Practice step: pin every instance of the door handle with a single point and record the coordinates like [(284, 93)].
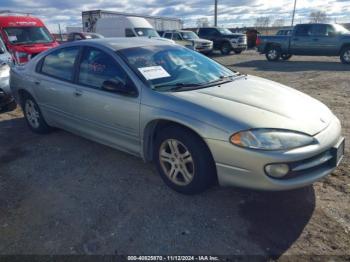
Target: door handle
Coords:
[(315, 39), (78, 93), (296, 39), (37, 83)]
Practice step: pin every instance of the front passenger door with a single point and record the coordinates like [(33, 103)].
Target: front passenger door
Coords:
[(110, 118)]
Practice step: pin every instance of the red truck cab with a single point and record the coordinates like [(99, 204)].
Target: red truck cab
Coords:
[(25, 36)]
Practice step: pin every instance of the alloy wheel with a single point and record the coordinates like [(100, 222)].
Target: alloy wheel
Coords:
[(177, 162), (32, 113)]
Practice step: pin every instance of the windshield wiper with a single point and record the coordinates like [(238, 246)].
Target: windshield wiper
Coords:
[(177, 86)]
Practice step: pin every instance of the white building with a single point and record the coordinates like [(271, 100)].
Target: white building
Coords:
[(90, 18)]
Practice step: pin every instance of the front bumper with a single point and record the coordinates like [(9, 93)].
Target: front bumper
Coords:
[(245, 168)]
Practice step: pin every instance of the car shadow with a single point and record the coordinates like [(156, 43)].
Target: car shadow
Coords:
[(277, 219), (86, 198), (293, 66)]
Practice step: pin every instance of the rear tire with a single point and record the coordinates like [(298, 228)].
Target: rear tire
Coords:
[(183, 161), (273, 53), (286, 57), (345, 56), (33, 115), (226, 49)]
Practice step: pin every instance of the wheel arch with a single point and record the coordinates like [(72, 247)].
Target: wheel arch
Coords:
[(154, 127), (347, 45), (22, 93), (269, 45)]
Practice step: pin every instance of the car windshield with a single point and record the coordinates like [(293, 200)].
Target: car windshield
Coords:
[(28, 35), (148, 32), (225, 31), (341, 29), (168, 68), (189, 35)]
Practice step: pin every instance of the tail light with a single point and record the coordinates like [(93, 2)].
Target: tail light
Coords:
[(258, 41)]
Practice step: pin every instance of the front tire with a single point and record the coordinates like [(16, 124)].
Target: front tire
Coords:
[(273, 54), (237, 52), (33, 116), (226, 49), (183, 161), (345, 56)]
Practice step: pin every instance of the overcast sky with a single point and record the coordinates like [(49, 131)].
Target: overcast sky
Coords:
[(231, 13)]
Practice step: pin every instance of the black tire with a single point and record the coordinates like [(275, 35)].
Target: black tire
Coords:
[(225, 48), (273, 53), (345, 55), (286, 57), (39, 125), (204, 170), (208, 53), (238, 51)]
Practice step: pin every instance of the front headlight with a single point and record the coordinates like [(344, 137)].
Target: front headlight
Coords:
[(4, 70), (271, 139)]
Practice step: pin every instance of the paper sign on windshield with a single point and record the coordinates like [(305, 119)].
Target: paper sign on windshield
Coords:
[(153, 72), (12, 38)]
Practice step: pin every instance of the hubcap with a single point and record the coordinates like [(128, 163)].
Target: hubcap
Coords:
[(272, 54), (347, 56), (32, 113), (176, 162)]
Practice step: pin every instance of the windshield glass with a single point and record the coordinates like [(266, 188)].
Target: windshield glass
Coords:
[(148, 32), (225, 31), (341, 29), (189, 35), (28, 35), (166, 67)]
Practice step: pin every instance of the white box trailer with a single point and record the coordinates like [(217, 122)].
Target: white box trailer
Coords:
[(90, 18)]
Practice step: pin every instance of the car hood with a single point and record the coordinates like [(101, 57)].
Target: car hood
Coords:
[(253, 102), (234, 36), (35, 48), (200, 41)]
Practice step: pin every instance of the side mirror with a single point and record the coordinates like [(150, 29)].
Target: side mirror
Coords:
[(118, 86), (332, 34)]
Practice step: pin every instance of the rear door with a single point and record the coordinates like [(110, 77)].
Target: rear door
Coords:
[(302, 42), (107, 117)]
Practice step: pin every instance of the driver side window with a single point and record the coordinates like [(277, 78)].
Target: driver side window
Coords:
[(97, 67)]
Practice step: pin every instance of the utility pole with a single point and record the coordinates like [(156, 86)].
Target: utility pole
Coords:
[(295, 5), (216, 13), (59, 29)]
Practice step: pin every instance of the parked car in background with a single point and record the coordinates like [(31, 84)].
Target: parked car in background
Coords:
[(308, 39), (76, 36), (284, 31), (224, 40), (5, 56), (124, 26), (198, 121), (190, 39), (25, 36), (7, 101)]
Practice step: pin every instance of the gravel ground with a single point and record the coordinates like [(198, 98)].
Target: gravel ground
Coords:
[(62, 194)]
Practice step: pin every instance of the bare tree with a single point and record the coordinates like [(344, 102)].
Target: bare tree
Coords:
[(202, 22), (279, 22), (262, 22), (318, 17)]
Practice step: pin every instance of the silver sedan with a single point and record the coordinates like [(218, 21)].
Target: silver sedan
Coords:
[(198, 121)]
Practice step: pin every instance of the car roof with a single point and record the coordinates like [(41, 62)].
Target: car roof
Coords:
[(119, 43)]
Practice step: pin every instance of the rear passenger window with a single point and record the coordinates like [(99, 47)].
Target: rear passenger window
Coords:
[(303, 30), (96, 67), (60, 63), (177, 37)]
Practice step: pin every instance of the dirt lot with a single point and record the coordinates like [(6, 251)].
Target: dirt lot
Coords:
[(62, 194)]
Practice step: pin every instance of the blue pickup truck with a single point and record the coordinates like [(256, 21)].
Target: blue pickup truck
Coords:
[(308, 39)]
